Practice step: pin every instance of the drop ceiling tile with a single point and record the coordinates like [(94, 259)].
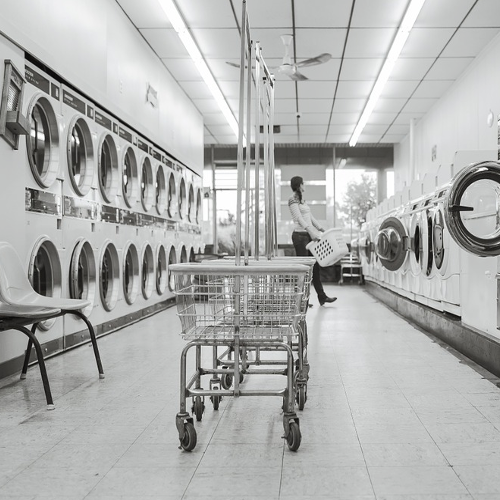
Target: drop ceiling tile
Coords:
[(419, 105), (223, 71), (230, 90), (145, 14), (313, 42), (432, 88), (448, 68), (315, 118), (284, 89), (218, 43), (413, 68), (361, 69), (348, 105), (353, 89), (405, 118), (485, 13), (392, 139), (315, 105), (219, 15), (379, 14), (368, 43), (319, 130), (207, 105), (318, 14), (222, 129), (182, 69), (285, 118), (326, 71), (165, 43), (396, 89), (316, 90), (338, 138), (266, 14), (389, 105), (341, 129), (399, 129), (374, 129), (468, 42), (284, 106), (214, 119), (383, 118), (443, 14), (426, 42)]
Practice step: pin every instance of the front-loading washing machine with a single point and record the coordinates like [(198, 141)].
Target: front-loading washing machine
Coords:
[(471, 208), (42, 252)]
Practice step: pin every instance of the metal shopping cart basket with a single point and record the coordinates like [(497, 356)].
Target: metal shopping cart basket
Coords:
[(257, 306), (253, 358)]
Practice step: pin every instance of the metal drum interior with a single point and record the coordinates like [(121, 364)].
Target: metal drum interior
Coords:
[(182, 199), (82, 274), (81, 165), (130, 180), (44, 272), (130, 273), (172, 259), (147, 185), (108, 168), (148, 265), (43, 142), (160, 190), (161, 270), (109, 276)]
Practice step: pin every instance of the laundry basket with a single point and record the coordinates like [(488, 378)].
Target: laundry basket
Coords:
[(330, 248)]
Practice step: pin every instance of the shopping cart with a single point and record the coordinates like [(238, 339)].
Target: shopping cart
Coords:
[(301, 373), (239, 307)]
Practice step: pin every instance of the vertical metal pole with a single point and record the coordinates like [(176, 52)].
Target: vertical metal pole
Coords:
[(257, 117), (271, 159), (241, 122), (248, 151), (214, 204)]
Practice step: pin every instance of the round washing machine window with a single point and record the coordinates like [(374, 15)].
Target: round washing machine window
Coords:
[(108, 168), (130, 184), (190, 207), (161, 270), (390, 244), (416, 244), (184, 257), (109, 276), (192, 256), (440, 242), (147, 190), (198, 206), (80, 156), (160, 190), (428, 235), (130, 273), (472, 205), (172, 259), (182, 198), (43, 142), (147, 271), (44, 272), (82, 274), (172, 197)]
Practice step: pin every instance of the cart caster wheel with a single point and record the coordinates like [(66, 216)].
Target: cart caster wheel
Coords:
[(198, 408), (294, 437), (301, 396), (226, 380), (188, 441), (215, 401)]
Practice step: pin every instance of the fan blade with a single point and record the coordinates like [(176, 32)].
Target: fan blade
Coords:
[(322, 58), (297, 76), (233, 64), (290, 70)]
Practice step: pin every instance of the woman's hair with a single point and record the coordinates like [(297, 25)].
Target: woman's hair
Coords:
[(295, 183)]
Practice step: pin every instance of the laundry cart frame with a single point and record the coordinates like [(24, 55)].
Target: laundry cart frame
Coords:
[(250, 307)]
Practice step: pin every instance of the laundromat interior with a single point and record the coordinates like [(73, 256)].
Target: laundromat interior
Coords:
[(160, 336)]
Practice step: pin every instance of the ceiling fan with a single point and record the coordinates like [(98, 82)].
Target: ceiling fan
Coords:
[(289, 68)]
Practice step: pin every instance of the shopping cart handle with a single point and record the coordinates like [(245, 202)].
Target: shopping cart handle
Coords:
[(194, 268)]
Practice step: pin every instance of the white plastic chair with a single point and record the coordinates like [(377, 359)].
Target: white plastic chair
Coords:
[(15, 317), (16, 290)]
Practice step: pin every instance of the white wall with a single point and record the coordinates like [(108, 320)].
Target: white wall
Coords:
[(457, 121), (93, 45)]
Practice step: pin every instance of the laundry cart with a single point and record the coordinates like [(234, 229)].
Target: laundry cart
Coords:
[(239, 307), (301, 373)]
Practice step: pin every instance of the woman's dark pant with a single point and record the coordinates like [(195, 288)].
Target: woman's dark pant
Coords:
[(300, 240)]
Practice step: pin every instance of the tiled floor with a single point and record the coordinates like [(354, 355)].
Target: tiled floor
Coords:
[(390, 415)]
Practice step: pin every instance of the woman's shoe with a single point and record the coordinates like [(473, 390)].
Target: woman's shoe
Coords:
[(328, 300)]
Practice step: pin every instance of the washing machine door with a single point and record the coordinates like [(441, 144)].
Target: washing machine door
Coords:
[(428, 242), (416, 244), (391, 244), (440, 242), (472, 208)]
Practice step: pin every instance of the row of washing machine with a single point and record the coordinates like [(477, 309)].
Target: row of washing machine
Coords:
[(437, 242), (105, 211)]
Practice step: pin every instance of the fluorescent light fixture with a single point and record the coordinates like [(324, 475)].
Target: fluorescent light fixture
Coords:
[(180, 27), (397, 46)]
